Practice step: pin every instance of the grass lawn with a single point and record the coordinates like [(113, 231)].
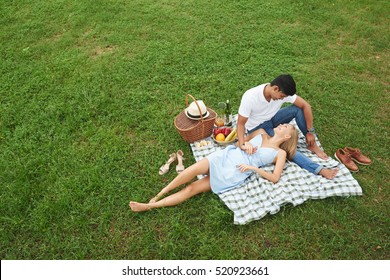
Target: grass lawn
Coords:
[(88, 94)]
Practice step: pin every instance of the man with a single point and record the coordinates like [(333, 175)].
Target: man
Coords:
[(260, 108)]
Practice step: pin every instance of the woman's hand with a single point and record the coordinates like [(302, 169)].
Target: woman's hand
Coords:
[(244, 168)]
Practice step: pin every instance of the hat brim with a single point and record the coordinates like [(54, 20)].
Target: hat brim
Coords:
[(195, 118)]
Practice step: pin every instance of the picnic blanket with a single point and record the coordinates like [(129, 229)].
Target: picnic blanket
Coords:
[(257, 197)]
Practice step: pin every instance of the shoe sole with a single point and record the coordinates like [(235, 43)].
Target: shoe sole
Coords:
[(344, 164), (361, 163)]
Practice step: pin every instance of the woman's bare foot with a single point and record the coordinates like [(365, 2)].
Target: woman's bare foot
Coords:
[(328, 173), (155, 199), (139, 207), (315, 149)]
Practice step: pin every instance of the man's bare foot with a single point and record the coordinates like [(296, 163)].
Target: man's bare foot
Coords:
[(315, 149), (139, 207), (328, 173)]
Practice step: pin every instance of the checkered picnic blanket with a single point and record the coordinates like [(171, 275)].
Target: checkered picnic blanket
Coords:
[(256, 196)]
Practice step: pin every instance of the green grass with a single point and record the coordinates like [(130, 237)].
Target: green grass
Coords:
[(88, 94)]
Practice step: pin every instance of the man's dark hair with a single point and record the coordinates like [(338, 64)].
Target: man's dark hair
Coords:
[(286, 84)]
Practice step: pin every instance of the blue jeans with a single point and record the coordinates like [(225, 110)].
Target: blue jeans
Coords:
[(285, 115)]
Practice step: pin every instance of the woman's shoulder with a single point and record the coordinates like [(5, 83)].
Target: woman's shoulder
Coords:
[(281, 153), (257, 132), (262, 131)]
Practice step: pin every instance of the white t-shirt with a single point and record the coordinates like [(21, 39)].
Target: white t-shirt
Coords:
[(257, 109)]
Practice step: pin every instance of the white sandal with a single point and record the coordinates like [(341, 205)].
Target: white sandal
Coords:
[(180, 159), (165, 168)]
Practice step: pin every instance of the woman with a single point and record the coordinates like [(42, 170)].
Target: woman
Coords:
[(228, 168)]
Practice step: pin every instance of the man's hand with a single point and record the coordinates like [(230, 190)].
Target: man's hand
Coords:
[(248, 148), (310, 139)]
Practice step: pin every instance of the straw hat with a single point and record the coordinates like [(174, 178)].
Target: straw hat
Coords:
[(192, 111)]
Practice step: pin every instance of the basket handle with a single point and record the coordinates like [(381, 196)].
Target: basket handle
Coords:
[(197, 105)]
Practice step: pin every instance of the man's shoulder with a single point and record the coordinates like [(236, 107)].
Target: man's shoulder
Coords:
[(255, 90), (290, 99)]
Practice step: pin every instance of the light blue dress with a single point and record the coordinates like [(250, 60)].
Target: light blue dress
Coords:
[(224, 174)]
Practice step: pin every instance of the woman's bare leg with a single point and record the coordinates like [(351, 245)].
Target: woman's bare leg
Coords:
[(199, 186), (199, 168)]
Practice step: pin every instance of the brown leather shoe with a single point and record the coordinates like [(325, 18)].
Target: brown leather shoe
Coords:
[(345, 158), (357, 156)]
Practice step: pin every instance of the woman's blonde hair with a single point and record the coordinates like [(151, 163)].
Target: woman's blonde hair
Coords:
[(290, 145)]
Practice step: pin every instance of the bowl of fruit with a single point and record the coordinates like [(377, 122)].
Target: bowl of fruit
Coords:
[(224, 135)]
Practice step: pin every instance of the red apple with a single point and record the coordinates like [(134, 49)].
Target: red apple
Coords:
[(217, 131), (227, 131)]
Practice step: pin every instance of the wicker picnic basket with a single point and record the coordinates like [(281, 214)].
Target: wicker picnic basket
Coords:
[(194, 130)]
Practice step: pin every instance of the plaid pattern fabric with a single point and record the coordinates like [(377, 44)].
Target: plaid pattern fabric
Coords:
[(257, 197)]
